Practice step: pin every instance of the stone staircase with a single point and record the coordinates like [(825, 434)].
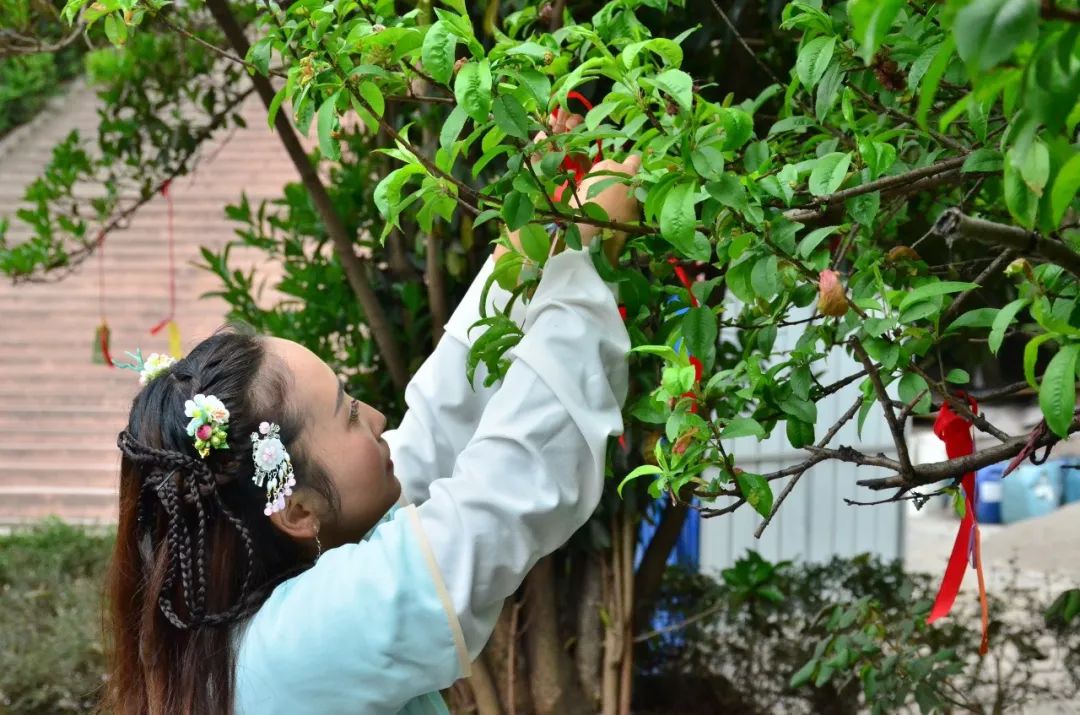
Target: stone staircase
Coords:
[(59, 412)]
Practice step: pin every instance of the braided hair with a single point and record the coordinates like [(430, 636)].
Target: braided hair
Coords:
[(195, 553)]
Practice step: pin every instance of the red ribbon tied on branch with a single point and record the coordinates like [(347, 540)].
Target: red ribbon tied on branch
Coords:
[(571, 162), (955, 431)]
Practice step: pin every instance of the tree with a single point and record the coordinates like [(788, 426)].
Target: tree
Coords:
[(853, 190)]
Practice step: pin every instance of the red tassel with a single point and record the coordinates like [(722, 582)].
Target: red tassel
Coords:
[(680, 273), (955, 431)]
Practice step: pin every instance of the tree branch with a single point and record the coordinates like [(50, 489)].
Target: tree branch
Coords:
[(953, 468), (905, 117), (961, 406), (953, 224), (908, 182), (895, 427), (354, 270)]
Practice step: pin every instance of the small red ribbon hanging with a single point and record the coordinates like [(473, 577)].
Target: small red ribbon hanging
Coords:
[(571, 162), (955, 431), (680, 273), (100, 351)]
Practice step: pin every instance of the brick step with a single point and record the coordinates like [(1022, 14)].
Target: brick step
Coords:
[(79, 421), (59, 435), (55, 394), (57, 473), (91, 450), (86, 506)]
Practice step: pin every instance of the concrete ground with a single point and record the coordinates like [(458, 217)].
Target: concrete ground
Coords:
[(1042, 554)]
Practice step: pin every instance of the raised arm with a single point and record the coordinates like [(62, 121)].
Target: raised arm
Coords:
[(443, 408)]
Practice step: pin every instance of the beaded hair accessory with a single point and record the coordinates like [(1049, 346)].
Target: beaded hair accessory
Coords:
[(209, 423), (273, 467)]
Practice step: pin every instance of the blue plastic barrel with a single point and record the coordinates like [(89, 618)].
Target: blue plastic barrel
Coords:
[(988, 494), (1031, 491), (1071, 473)]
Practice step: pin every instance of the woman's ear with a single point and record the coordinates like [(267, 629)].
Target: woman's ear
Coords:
[(300, 517)]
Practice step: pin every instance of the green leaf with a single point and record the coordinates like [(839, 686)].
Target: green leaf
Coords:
[(1021, 202), (813, 239), (699, 330), (677, 84), (374, 98), (472, 88), (517, 210), (827, 91), (328, 145), (259, 55), (1002, 322), (275, 105), (984, 159), (1033, 164), (510, 117), (1066, 187), (987, 31), (743, 427), (804, 674), (958, 376), (977, 318), (871, 20), (814, 59), (677, 217), (829, 172), (115, 30), (1031, 356), (764, 278), (437, 52), (757, 492), (799, 433), (1057, 394), (452, 127), (535, 242), (911, 386), (932, 78), (728, 190), (643, 470), (932, 290)]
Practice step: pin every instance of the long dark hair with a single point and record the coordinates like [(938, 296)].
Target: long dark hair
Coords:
[(194, 552)]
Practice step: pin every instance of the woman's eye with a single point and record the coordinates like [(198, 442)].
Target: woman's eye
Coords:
[(354, 411)]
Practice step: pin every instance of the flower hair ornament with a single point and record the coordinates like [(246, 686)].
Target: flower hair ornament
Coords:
[(209, 423), (150, 367), (273, 467)]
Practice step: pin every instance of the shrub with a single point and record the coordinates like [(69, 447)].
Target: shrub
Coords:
[(51, 658)]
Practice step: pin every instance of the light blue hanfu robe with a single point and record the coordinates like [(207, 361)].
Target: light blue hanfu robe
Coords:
[(492, 479)]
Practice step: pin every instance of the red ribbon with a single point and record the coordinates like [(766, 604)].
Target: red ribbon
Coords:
[(103, 328), (955, 431), (680, 273), (570, 162)]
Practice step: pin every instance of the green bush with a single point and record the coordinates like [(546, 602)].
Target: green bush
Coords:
[(845, 637), (51, 657)]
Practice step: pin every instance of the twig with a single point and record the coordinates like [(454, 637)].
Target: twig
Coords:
[(886, 403), (709, 512), (649, 635), (809, 463), (418, 99), (905, 117), (214, 48), (999, 262), (961, 406)]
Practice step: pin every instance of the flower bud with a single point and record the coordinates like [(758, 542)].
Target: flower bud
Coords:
[(902, 252), (831, 298)]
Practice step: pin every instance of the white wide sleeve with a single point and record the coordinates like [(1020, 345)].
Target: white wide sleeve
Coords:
[(533, 472), (443, 408)]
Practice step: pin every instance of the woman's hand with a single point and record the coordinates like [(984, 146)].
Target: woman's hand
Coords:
[(617, 200)]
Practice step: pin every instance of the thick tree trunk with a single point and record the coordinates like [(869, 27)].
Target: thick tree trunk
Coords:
[(589, 647), (552, 680)]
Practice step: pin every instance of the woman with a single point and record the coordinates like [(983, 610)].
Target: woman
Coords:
[(279, 552)]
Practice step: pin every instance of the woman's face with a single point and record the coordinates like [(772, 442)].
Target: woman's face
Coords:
[(345, 436)]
